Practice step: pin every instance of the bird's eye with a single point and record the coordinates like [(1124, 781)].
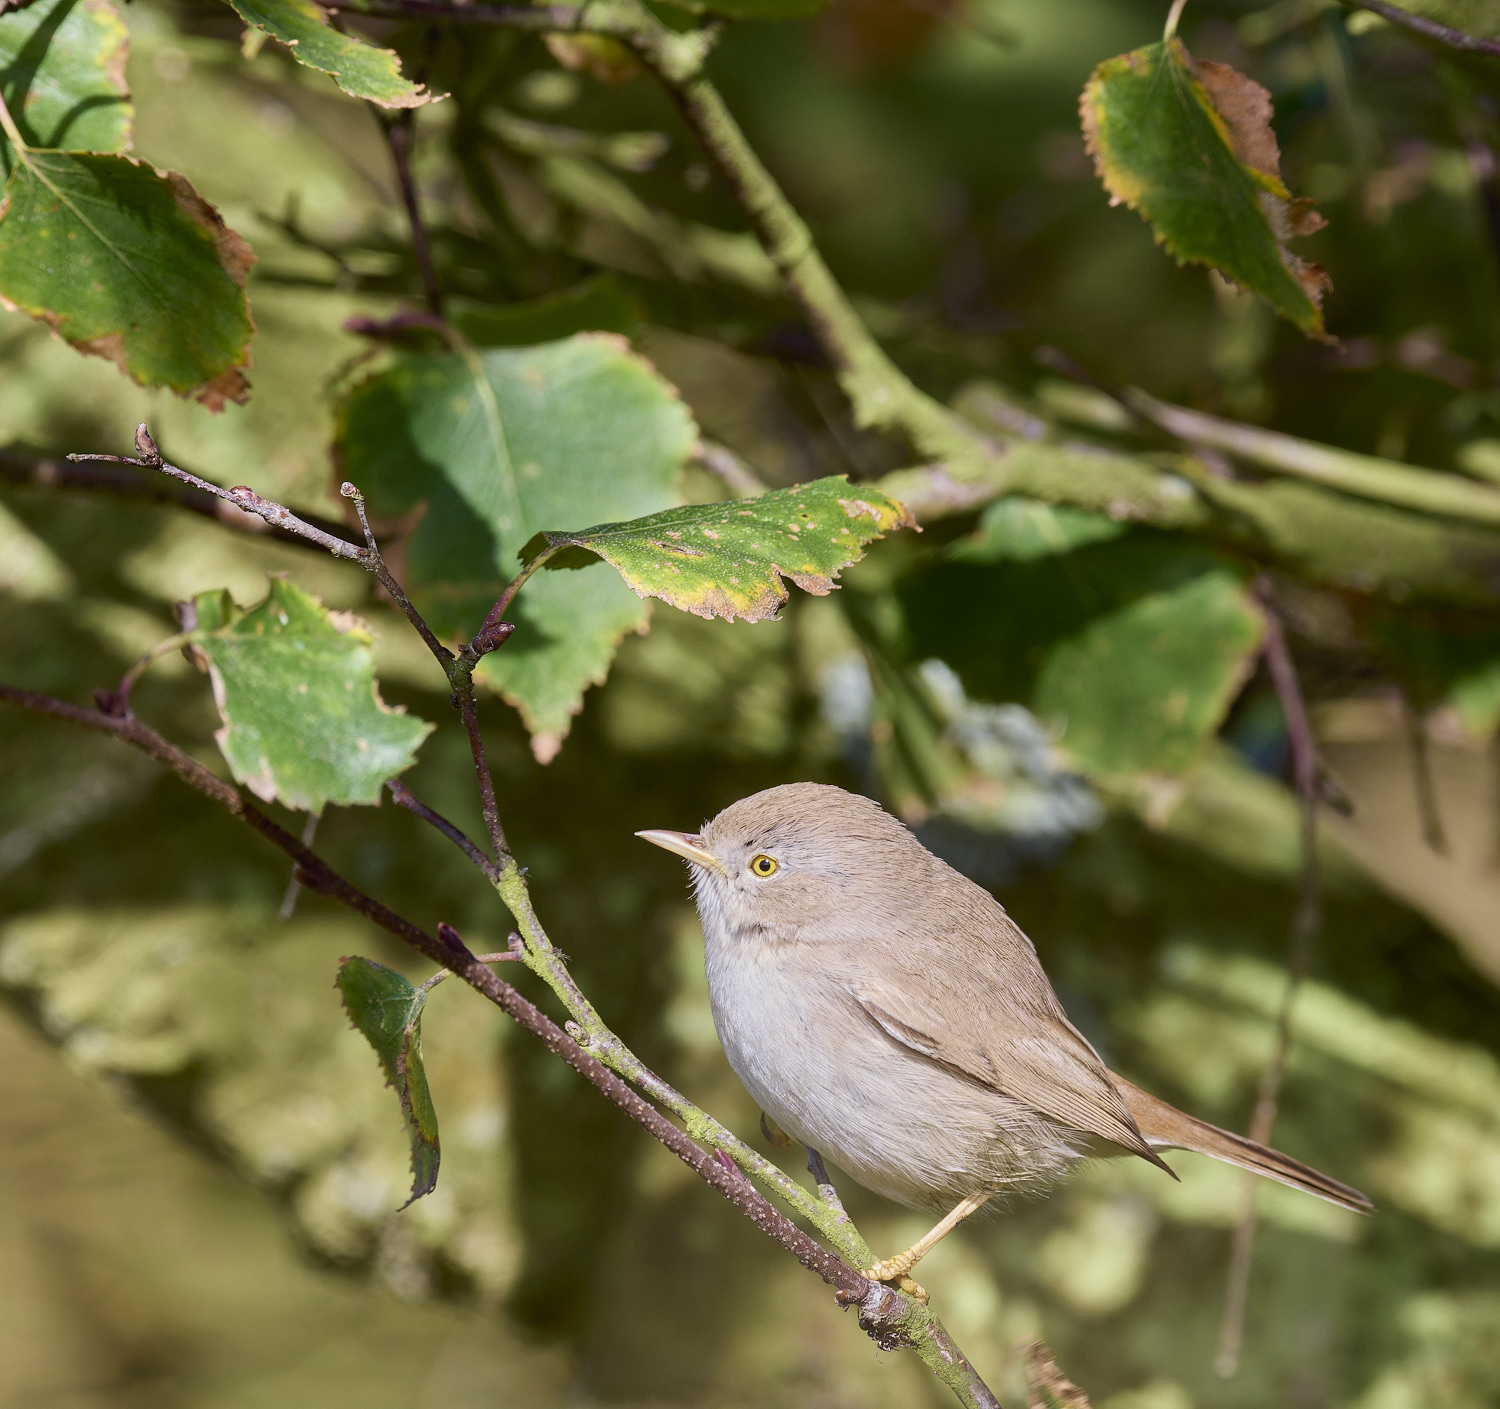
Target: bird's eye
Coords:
[(764, 865)]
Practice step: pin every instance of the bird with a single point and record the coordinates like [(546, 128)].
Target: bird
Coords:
[(886, 1012)]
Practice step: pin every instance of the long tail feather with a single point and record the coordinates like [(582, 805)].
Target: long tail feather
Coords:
[(1167, 1128)]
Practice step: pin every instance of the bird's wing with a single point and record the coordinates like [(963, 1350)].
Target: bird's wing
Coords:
[(1031, 1054)]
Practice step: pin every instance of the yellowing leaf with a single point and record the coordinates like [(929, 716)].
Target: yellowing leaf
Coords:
[(1188, 143), (130, 264), (729, 559), (64, 68), (360, 69)]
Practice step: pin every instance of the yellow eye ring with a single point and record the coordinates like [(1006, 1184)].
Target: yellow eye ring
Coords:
[(763, 866)]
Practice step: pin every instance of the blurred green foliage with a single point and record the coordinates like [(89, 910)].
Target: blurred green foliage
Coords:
[(936, 154)]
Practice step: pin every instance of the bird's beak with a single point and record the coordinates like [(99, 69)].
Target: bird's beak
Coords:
[(689, 847)]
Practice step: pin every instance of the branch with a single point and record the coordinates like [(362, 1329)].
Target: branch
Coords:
[(1428, 29), (127, 482), (1367, 476), (1307, 921), (458, 668), (891, 1319), (404, 797)]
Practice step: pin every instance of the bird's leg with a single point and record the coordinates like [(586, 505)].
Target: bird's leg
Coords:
[(830, 1196), (893, 1268)]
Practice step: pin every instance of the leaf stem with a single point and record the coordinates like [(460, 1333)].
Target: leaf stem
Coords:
[(12, 132), (120, 700), (484, 639), (1169, 31)]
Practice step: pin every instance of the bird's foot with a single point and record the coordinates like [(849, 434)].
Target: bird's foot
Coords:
[(892, 1268), (896, 1269)]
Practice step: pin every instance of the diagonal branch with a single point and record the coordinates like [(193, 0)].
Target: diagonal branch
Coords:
[(890, 1318), (1428, 29)]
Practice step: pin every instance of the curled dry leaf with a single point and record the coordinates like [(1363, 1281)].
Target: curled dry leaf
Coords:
[(1188, 143)]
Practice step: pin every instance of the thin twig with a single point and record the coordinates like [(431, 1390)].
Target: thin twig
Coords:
[(405, 798), (1428, 29), (131, 482), (399, 133), (241, 497), (376, 564), (460, 669), (1433, 831), (294, 886), (451, 937), (1347, 471), (1307, 921)]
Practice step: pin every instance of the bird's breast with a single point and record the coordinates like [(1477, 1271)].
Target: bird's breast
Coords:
[(828, 1076)]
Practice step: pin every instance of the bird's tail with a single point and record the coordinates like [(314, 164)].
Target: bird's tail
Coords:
[(1167, 1128)]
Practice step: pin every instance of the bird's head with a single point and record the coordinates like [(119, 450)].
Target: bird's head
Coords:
[(795, 860)]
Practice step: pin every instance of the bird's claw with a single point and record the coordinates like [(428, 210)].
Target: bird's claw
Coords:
[(895, 1269)]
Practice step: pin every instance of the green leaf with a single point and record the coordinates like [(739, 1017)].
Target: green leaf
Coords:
[(358, 68), (1142, 689), (729, 559), (62, 74), (498, 445), (388, 1011), (1189, 144), (303, 721), (130, 264), (1022, 530), (966, 612)]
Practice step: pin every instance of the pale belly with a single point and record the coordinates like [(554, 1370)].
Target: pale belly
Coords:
[(897, 1122)]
